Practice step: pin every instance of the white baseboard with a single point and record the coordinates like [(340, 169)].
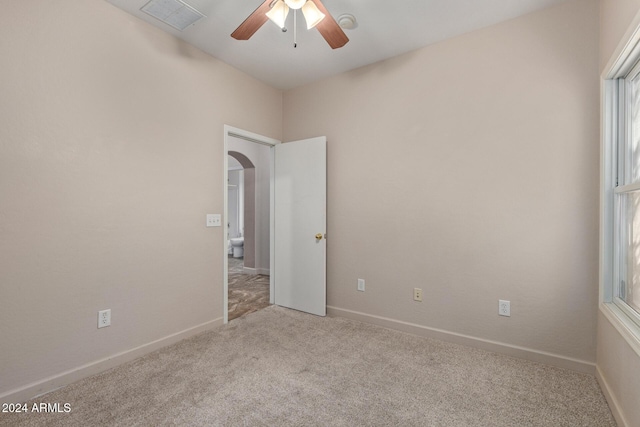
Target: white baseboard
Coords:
[(611, 399), (248, 270), (52, 383), (494, 346)]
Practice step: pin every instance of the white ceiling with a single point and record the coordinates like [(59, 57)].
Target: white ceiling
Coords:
[(386, 28)]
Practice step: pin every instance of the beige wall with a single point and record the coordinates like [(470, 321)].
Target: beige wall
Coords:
[(111, 154), (618, 364), (615, 18), (619, 373), (469, 169), (465, 168)]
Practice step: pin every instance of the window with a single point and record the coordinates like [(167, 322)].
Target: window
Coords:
[(621, 190), (626, 292)]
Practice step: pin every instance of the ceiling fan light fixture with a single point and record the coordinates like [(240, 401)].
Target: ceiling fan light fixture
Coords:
[(312, 14), (295, 4), (328, 29), (278, 13)]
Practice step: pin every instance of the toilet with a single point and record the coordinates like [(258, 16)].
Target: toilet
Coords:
[(237, 246)]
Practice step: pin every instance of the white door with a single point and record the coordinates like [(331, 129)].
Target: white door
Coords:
[(300, 221)]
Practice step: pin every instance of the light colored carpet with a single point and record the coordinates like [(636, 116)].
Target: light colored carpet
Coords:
[(279, 367)]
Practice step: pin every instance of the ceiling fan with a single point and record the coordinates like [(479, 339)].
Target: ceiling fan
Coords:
[(314, 12)]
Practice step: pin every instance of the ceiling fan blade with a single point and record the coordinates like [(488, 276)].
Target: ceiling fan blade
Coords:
[(253, 22), (330, 29)]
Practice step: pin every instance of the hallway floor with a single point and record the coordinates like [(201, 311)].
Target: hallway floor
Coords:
[(247, 292)]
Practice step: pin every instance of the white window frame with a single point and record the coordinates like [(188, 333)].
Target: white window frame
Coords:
[(615, 120)]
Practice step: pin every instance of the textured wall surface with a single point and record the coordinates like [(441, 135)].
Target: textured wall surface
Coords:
[(619, 366), (469, 169), (111, 154), (618, 363), (615, 19)]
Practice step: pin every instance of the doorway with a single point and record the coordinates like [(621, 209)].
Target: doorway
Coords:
[(248, 223), (248, 167), (297, 254)]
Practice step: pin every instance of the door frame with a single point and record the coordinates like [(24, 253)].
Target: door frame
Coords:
[(230, 131)]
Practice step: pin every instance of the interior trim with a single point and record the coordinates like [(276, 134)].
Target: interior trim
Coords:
[(252, 271), (55, 382), (611, 399), (621, 323), (230, 131), (452, 337)]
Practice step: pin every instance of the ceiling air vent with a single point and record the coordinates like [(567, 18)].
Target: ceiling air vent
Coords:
[(175, 13)]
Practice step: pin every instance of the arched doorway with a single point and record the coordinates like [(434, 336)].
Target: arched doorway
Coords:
[(248, 186), (247, 228), (251, 145)]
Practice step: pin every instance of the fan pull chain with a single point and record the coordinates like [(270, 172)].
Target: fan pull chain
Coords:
[(295, 28)]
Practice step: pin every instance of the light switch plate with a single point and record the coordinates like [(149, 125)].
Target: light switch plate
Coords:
[(214, 220)]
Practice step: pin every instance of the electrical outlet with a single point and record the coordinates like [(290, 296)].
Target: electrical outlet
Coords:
[(361, 285), (214, 220), (504, 308), (417, 294), (104, 318)]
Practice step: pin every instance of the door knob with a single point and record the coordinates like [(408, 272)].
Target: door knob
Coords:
[(319, 236)]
